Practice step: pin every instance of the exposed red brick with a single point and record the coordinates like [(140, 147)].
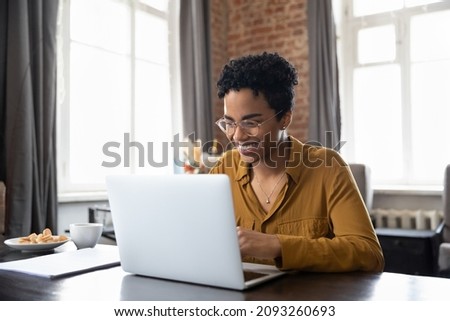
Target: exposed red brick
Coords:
[(240, 27)]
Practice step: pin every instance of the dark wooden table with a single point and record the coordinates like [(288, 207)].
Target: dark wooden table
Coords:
[(114, 284)]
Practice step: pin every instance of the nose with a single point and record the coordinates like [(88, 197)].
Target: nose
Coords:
[(239, 134)]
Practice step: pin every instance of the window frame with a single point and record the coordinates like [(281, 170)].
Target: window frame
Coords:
[(68, 191), (347, 33)]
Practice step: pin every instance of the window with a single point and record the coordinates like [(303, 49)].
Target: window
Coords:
[(395, 69), (117, 76)]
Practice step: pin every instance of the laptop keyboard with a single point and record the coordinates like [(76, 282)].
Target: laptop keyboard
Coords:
[(249, 275)]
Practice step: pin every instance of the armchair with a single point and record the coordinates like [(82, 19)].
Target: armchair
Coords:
[(444, 248), (361, 173)]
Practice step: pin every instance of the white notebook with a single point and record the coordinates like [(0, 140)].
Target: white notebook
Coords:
[(67, 263)]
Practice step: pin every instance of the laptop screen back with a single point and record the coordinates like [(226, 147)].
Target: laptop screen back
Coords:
[(178, 227)]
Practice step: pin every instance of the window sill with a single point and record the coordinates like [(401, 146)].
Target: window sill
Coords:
[(78, 197), (408, 190)]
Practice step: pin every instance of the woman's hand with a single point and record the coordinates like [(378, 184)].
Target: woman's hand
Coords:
[(257, 244)]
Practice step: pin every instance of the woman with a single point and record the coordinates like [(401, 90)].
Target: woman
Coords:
[(297, 206)]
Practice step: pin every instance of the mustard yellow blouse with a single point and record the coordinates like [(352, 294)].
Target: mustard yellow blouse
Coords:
[(319, 216)]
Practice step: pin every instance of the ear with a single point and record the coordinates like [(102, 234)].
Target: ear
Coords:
[(286, 120)]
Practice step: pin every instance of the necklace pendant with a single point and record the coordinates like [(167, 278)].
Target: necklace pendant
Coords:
[(273, 190)]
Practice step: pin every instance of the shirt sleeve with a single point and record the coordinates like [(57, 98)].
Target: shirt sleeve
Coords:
[(352, 245)]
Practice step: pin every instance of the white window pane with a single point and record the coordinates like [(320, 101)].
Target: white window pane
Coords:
[(101, 23), (429, 36), (153, 116), (376, 44), (162, 5), (430, 120), (378, 121), (368, 7), (413, 3), (337, 9), (152, 38), (99, 110)]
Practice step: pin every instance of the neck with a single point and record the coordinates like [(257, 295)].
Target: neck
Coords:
[(275, 164), (262, 170)]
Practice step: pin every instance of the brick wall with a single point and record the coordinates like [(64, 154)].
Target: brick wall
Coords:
[(240, 27)]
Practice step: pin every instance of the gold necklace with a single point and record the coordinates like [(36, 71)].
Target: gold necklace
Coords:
[(273, 190)]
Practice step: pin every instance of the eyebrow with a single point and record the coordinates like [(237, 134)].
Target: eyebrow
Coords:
[(249, 116)]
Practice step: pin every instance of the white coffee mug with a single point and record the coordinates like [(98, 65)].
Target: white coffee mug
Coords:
[(85, 235)]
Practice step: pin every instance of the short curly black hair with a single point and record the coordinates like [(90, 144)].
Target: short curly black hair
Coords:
[(268, 73)]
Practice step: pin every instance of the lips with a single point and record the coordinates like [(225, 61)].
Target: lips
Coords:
[(247, 148)]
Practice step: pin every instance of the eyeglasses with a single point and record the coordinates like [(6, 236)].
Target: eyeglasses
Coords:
[(250, 127)]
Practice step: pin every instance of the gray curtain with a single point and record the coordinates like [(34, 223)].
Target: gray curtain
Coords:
[(28, 114), (325, 117), (195, 69)]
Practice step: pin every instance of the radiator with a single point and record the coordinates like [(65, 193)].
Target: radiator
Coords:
[(408, 219)]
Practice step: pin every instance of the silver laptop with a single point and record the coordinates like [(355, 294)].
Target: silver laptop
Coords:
[(181, 227)]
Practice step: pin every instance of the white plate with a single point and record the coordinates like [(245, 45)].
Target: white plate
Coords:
[(14, 243)]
